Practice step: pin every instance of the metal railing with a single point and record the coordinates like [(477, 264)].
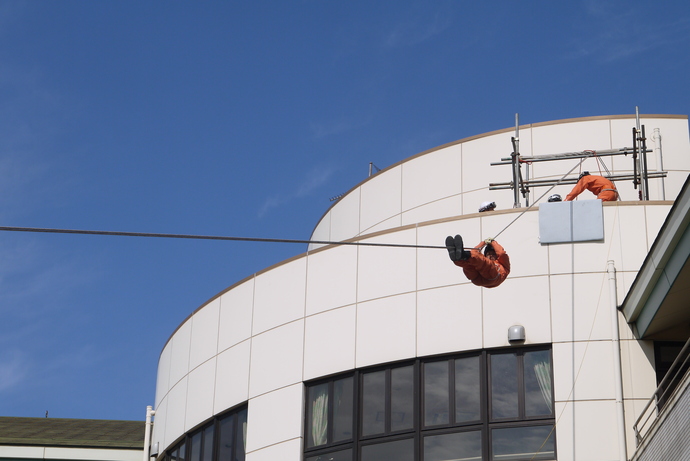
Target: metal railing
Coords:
[(661, 395)]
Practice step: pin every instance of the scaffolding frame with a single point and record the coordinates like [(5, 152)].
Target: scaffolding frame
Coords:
[(640, 176)]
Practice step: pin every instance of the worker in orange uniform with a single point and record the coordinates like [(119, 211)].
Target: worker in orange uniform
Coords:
[(487, 270), (598, 185)]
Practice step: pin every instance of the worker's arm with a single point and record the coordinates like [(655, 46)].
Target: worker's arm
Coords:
[(577, 190), (501, 256)]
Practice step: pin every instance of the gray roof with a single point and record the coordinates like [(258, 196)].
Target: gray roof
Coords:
[(82, 433)]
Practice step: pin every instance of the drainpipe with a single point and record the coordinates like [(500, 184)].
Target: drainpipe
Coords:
[(617, 367), (147, 431), (656, 137)]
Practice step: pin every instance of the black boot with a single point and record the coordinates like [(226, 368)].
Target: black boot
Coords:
[(460, 249), (450, 246)]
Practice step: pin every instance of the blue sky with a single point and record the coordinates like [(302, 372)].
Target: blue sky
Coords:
[(242, 119)]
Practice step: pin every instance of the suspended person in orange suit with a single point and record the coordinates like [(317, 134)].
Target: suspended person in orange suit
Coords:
[(598, 185), (487, 270)]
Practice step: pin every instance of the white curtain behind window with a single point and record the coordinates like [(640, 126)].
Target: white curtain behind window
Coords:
[(543, 372), (319, 424)]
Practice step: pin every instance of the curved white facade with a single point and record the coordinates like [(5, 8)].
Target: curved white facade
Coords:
[(341, 307)]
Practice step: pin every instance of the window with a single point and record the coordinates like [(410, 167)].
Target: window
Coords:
[(487, 405), (221, 439)]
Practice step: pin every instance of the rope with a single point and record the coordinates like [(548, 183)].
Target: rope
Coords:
[(541, 197), (206, 237)]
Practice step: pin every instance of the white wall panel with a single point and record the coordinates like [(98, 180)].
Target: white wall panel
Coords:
[(591, 256), (674, 183), (449, 319), (345, 217), (518, 301), (179, 357), (175, 414), (236, 308), (477, 156), (655, 216), (571, 137), (562, 258), (322, 231), (158, 432), (583, 370), (329, 342), (596, 431), (331, 279), (274, 418), (290, 450), (204, 341), (674, 139), (385, 271), (279, 295), (276, 359), (431, 177), (232, 377), (200, 392), (625, 236), (632, 409), (447, 207), (390, 223), (553, 169), (163, 375), (580, 307), (386, 330), (380, 198), (639, 377), (565, 431)]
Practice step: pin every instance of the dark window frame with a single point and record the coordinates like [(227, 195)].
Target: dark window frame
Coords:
[(484, 425), (185, 442)]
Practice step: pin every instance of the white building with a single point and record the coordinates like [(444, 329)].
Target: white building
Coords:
[(358, 352)]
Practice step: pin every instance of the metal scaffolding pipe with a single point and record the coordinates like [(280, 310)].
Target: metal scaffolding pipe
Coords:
[(515, 160), (568, 155), (552, 182)]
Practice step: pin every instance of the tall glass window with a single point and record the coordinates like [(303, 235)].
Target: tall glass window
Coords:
[(330, 412), (486, 405), (222, 439)]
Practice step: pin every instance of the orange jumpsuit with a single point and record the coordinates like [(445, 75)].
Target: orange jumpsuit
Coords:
[(486, 271), (598, 185)]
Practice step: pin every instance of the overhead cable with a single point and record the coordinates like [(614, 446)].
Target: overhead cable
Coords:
[(208, 237)]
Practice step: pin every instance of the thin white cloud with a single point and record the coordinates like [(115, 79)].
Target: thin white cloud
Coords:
[(80, 358), (413, 33), (316, 178), (612, 34), (14, 369), (324, 129)]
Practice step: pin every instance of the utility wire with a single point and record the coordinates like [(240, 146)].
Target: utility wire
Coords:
[(255, 239), (205, 237)]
